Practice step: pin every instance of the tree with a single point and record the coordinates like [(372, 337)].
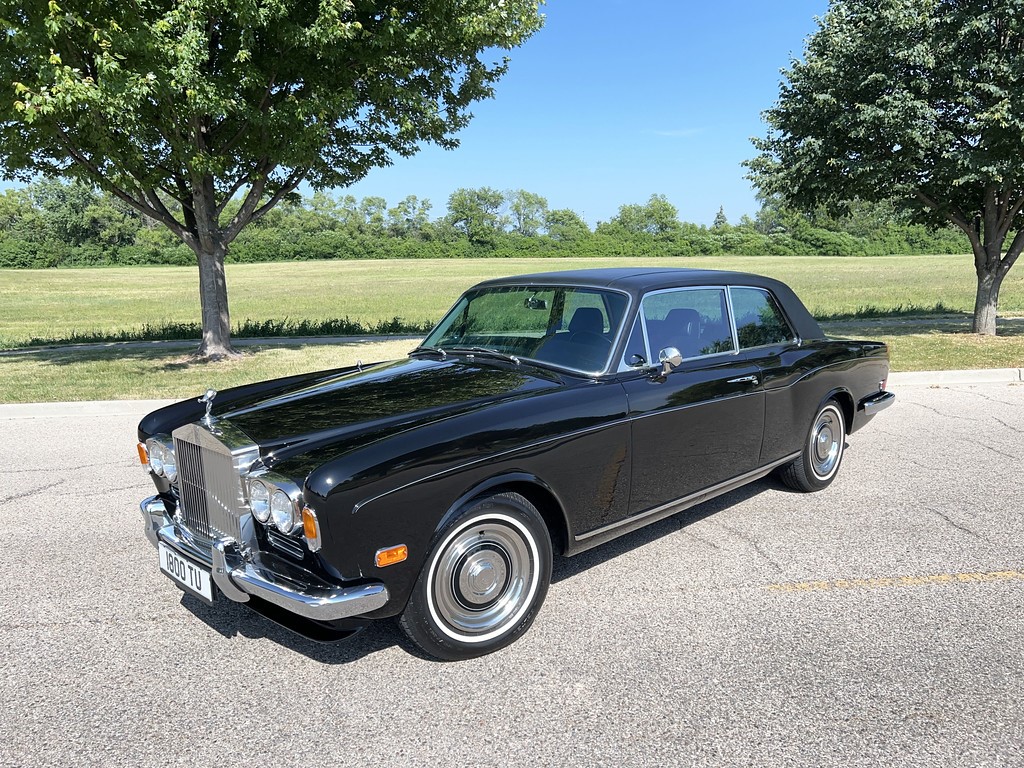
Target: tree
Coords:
[(565, 225), (720, 220), (528, 211), (916, 100), (477, 214), (176, 108), (656, 217)]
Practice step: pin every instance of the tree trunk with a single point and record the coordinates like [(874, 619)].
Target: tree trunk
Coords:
[(213, 296), (210, 247), (986, 302)]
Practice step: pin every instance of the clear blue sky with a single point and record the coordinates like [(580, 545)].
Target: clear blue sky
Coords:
[(614, 100)]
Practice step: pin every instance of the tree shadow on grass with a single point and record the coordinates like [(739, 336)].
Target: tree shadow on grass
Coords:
[(961, 326), (164, 358)]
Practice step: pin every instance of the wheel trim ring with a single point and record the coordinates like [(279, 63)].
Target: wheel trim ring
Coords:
[(826, 443), (524, 598)]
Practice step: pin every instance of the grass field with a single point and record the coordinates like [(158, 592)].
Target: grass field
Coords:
[(61, 303), (57, 304)]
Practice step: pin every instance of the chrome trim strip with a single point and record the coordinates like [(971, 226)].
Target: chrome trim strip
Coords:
[(875, 403), (732, 319), (673, 507)]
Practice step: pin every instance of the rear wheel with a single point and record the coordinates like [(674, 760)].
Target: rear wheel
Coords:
[(484, 580), (818, 464)]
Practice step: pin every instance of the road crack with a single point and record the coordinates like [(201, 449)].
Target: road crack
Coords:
[(944, 415), (755, 545), (955, 524), (31, 492)]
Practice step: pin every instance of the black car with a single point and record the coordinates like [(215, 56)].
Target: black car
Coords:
[(545, 414)]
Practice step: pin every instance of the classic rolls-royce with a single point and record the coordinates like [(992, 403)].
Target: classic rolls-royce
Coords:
[(545, 414)]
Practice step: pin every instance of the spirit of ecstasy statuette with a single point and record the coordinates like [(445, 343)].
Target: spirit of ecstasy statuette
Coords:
[(208, 399)]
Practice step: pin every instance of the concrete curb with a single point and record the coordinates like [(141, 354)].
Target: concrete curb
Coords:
[(83, 408), (142, 407), (935, 378)]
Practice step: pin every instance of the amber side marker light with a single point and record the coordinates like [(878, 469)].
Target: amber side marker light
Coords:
[(391, 555), (143, 456), (311, 529)]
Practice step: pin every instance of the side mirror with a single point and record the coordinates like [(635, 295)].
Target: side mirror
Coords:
[(670, 358)]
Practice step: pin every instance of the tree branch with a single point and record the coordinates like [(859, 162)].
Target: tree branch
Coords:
[(252, 198), (97, 175), (1016, 246)]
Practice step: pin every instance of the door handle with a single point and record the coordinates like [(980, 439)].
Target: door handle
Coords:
[(744, 380)]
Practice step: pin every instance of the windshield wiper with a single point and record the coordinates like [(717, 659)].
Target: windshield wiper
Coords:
[(421, 350), (487, 352)]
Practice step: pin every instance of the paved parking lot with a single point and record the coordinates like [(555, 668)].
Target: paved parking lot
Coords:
[(880, 622)]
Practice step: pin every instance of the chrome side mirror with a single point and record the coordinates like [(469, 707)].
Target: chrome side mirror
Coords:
[(670, 358)]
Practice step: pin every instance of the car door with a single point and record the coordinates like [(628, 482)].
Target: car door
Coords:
[(701, 423)]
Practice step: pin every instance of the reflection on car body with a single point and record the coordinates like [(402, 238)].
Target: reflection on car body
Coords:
[(545, 414)]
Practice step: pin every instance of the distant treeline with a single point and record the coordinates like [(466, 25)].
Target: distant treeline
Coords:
[(52, 223)]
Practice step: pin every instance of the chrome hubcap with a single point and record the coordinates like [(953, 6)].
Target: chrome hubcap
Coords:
[(484, 578), (826, 443)]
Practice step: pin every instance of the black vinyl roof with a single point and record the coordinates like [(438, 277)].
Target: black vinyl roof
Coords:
[(640, 280)]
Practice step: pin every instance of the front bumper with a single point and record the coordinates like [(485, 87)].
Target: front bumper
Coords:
[(240, 572)]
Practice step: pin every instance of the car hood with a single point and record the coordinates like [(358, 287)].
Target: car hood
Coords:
[(382, 400)]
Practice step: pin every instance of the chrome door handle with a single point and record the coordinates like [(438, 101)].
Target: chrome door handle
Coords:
[(744, 380)]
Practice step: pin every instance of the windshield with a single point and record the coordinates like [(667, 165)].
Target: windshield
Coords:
[(569, 327)]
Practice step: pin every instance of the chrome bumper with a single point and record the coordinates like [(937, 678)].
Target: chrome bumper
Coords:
[(239, 573), (877, 402)]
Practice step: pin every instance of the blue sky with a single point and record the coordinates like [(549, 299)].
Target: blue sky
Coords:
[(614, 100)]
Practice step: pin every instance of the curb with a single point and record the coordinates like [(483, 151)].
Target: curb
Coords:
[(82, 408), (936, 378), (142, 407)]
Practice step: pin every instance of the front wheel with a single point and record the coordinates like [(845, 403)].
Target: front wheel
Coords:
[(818, 464), (484, 580)]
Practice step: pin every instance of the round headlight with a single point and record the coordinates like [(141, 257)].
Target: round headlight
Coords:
[(259, 500), (282, 510), (156, 456), (170, 464)]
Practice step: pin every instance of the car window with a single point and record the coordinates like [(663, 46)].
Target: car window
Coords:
[(564, 325), (635, 346), (694, 321), (759, 321)]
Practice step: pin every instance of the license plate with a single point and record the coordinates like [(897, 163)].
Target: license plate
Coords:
[(189, 575)]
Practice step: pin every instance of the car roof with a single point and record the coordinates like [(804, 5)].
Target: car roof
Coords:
[(635, 279)]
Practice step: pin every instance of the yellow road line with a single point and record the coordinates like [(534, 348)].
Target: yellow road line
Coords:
[(896, 581)]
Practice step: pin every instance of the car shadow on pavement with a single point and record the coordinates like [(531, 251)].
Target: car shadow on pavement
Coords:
[(234, 619), (568, 567)]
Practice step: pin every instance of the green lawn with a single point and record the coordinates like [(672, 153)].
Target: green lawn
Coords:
[(59, 303)]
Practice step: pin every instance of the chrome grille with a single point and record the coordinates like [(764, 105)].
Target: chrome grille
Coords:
[(210, 489)]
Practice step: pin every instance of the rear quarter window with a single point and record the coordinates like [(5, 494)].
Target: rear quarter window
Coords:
[(759, 320)]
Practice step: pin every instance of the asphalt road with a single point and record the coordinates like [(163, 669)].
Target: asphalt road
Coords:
[(880, 622)]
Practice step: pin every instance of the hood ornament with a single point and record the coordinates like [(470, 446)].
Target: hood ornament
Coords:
[(208, 399)]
